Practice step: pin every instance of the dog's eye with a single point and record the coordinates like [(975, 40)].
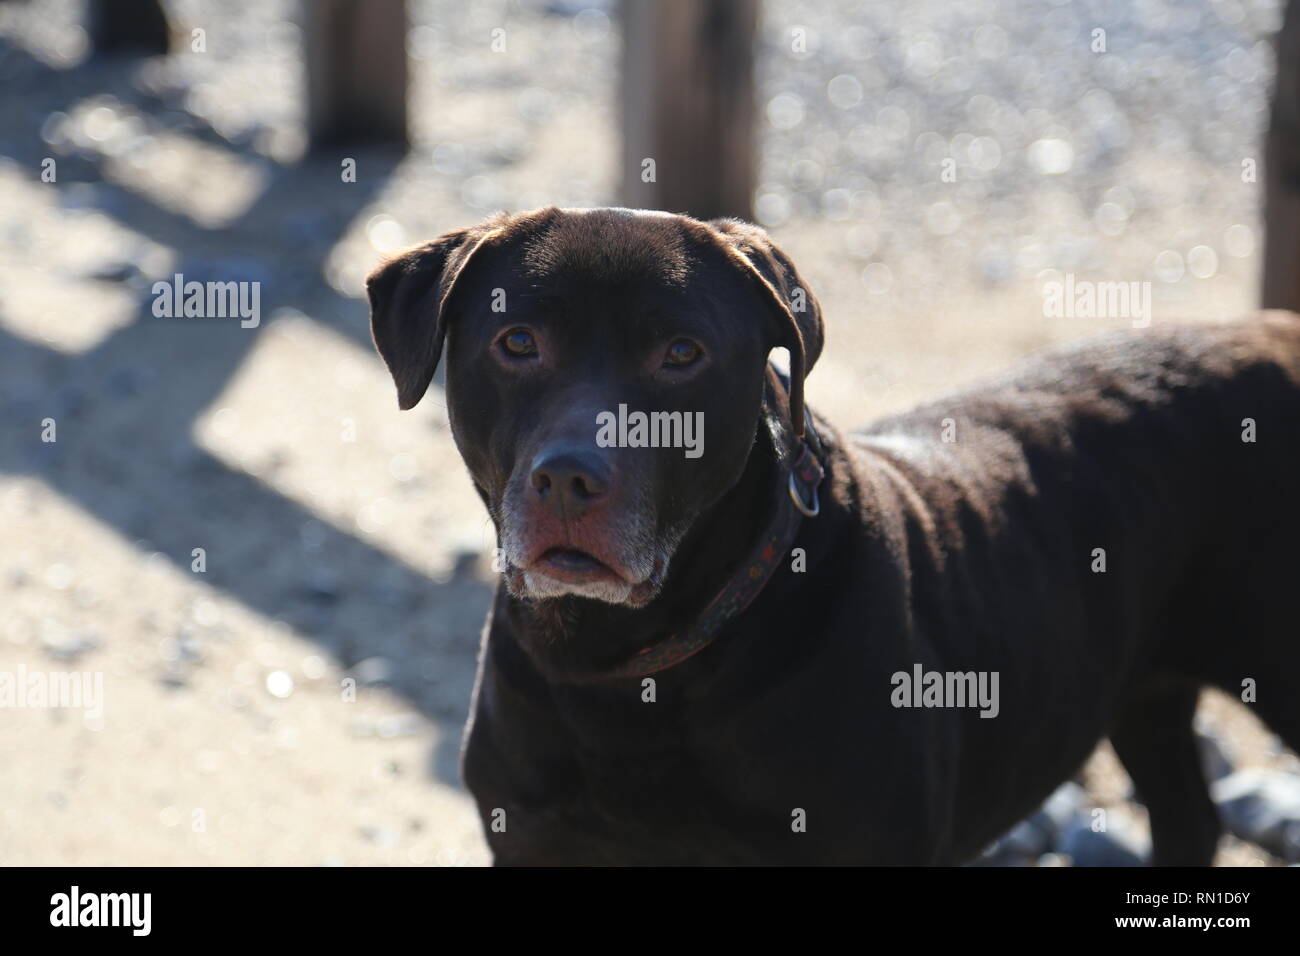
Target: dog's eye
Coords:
[(681, 353), (519, 343)]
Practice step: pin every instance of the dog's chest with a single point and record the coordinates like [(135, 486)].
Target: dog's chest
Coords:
[(634, 809)]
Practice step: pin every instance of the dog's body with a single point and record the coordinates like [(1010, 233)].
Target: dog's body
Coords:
[(1094, 531)]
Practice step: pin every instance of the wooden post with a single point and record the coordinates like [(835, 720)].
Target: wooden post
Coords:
[(688, 106), (356, 71), (127, 26), (1282, 173)]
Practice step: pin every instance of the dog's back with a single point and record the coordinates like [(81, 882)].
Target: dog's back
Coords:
[(1156, 473)]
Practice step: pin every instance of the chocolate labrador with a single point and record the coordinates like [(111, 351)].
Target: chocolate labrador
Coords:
[(728, 633)]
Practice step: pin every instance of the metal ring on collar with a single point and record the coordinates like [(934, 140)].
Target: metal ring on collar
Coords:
[(808, 511)]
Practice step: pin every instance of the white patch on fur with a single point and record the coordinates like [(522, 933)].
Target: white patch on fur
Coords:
[(540, 586)]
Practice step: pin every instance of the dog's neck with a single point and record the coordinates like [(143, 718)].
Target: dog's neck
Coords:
[(571, 635)]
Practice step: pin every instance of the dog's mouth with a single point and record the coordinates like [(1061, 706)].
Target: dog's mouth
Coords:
[(565, 570), (575, 566), (612, 555)]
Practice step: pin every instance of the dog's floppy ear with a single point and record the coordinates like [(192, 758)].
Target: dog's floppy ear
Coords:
[(798, 314), (409, 293)]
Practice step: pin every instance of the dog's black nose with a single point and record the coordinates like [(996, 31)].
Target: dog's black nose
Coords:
[(569, 480)]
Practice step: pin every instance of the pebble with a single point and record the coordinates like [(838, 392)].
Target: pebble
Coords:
[(69, 647), (1120, 844), (279, 684), (372, 671), (1262, 807), (322, 585), (1039, 833), (380, 836), (400, 725), (113, 270), (1215, 758)]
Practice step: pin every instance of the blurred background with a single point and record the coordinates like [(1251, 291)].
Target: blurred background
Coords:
[(928, 165)]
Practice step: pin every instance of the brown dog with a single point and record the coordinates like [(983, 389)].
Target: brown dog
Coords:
[(803, 646)]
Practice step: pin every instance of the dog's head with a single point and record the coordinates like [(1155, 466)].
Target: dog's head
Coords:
[(605, 377)]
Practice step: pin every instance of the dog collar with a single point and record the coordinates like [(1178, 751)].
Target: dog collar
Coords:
[(796, 498)]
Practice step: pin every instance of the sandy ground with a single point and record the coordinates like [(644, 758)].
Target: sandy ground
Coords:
[(341, 539)]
